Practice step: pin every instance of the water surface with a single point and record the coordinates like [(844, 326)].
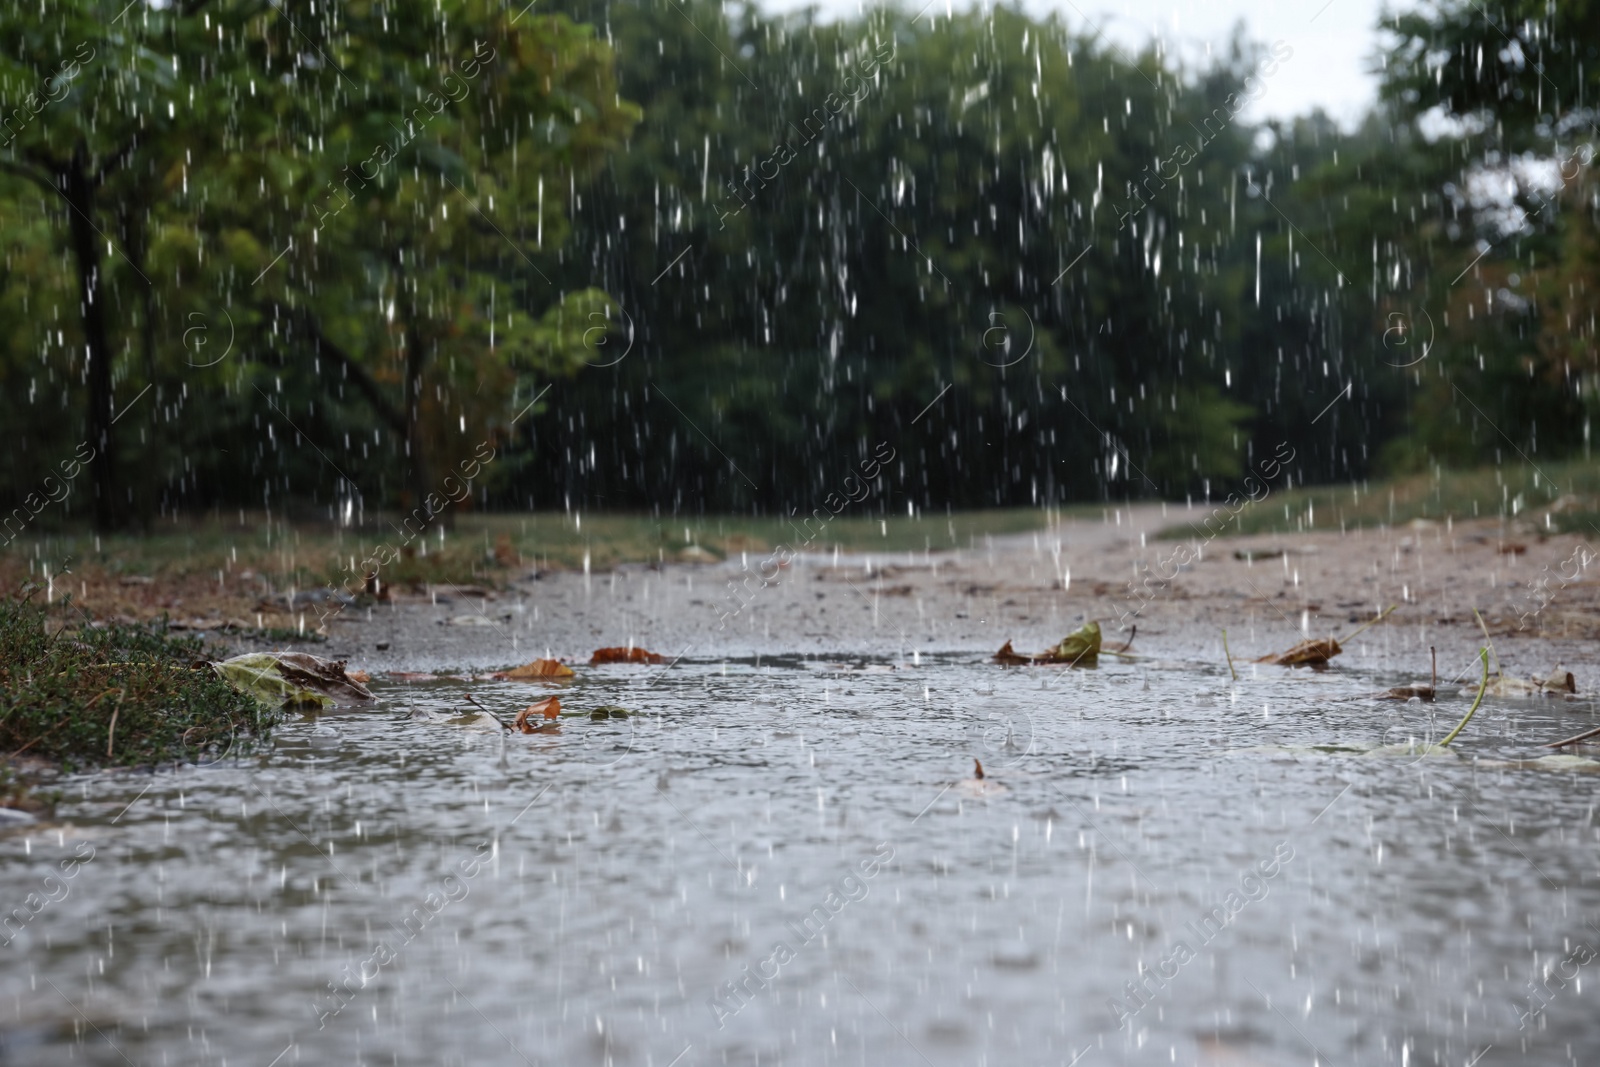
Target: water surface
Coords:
[(413, 885)]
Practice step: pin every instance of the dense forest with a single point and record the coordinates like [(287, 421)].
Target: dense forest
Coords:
[(325, 255)]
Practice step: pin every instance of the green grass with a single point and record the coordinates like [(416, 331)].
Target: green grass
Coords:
[(113, 695), (1561, 497)]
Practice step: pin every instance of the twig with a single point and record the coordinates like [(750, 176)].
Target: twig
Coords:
[(1126, 644), (1483, 654), (111, 734), (1231, 672), (1574, 740), (492, 715), (1383, 615), (1481, 625)]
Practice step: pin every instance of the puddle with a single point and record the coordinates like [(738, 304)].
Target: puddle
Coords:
[(414, 884)]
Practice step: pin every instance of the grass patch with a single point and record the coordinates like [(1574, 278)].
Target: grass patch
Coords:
[(129, 695), (216, 566), (1554, 497), (604, 540)]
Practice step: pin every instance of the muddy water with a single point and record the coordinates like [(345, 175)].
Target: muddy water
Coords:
[(413, 885)]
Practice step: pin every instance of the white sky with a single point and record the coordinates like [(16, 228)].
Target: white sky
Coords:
[(1332, 49)]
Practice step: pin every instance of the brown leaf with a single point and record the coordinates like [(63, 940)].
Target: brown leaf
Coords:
[(324, 676), (1560, 681), (539, 668), (1080, 647), (550, 708), (623, 655), (1317, 651), (977, 769), (1422, 692), (1011, 658)]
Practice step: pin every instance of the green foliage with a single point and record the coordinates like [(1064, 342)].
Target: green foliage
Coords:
[(321, 218), (1509, 280), (1559, 497), (119, 694), (342, 246)]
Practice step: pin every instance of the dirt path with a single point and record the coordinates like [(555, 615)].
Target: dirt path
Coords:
[(1269, 591)]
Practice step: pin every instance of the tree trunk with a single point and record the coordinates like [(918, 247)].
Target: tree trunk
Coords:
[(419, 473), (78, 186), (149, 481)]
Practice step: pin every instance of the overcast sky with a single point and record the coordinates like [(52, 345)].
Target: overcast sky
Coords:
[(1333, 40)]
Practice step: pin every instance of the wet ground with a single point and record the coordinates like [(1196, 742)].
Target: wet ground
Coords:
[(782, 854)]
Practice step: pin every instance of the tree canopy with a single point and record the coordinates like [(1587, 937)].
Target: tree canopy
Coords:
[(321, 254)]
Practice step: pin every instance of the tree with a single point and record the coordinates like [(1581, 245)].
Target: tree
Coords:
[(323, 179)]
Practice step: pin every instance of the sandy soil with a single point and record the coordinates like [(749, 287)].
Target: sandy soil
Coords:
[(1268, 591)]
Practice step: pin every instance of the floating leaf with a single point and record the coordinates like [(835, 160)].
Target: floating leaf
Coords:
[(292, 679), (623, 655), (550, 708), (609, 711), (1411, 748), (1417, 690), (1315, 652), (1560, 681), (539, 668), (1510, 687), (1080, 646)]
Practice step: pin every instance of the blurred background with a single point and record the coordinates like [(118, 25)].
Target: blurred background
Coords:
[(685, 258)]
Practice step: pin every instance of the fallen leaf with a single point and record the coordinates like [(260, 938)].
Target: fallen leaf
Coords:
[(292, 679), (1560, 681), (1080, 646), (539, 668), (623, 655), (609, 711), (1419, 690), (360, 676), (1412, 748), (550, 708), (977, 769), (1318, 650), (1509, 687)]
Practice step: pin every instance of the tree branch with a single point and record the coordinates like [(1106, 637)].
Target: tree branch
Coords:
[(357, 374), (33, 174)]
